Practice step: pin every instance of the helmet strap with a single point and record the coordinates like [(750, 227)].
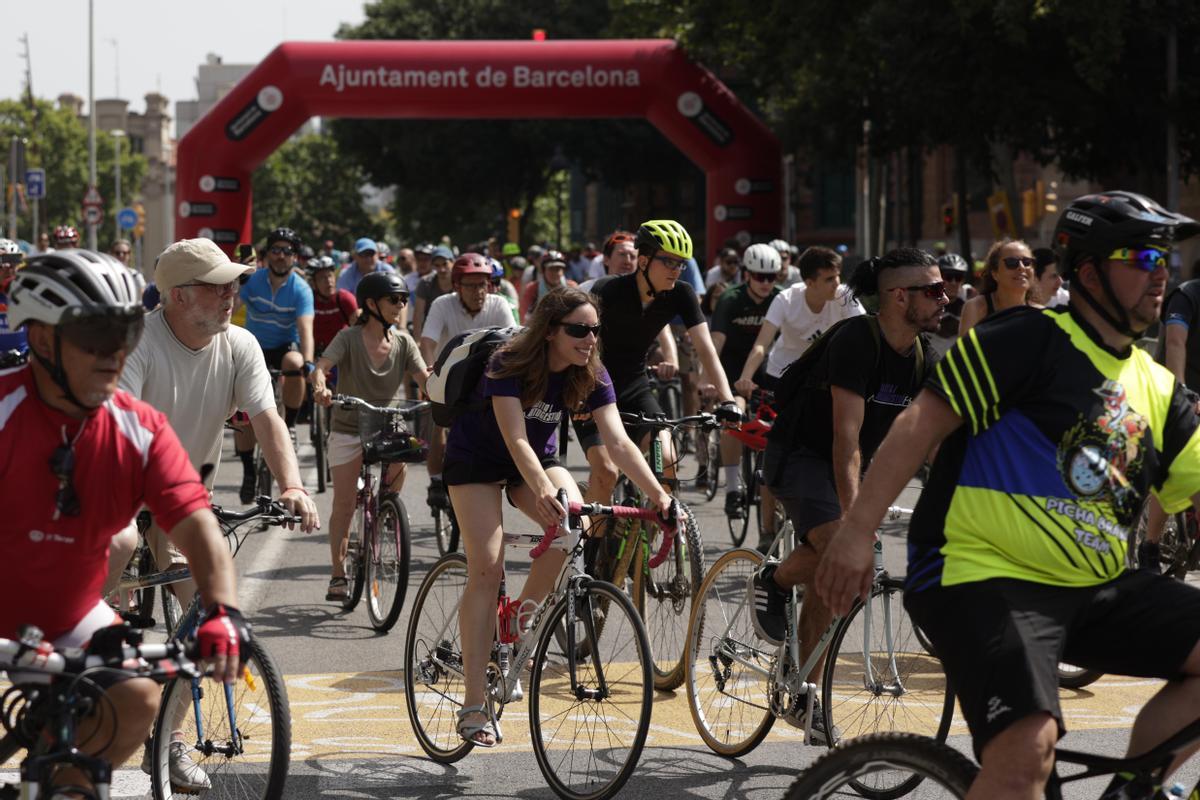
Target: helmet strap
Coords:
[(1120, 322), (58, 374), (651, 292), (372, 314)]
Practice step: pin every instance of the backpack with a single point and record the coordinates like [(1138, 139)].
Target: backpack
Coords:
[(458, 370), (802, 376)]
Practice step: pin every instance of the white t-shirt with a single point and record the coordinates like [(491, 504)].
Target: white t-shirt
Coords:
[(447, 318), (199, 389), (799, 326), (715, 276)]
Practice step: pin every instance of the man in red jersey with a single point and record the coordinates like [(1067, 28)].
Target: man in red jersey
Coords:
[(77, 460)]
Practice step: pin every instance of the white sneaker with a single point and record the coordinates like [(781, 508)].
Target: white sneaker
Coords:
[(186, 775)]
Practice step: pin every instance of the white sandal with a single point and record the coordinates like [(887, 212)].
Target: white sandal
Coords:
[(469, 730)]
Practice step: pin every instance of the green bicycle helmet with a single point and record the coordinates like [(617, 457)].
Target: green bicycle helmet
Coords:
[(663, 234)]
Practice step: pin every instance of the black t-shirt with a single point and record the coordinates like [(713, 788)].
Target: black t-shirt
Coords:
[(886, 380), (627, 330), (1183, 308), (952, 315), (740, 317)]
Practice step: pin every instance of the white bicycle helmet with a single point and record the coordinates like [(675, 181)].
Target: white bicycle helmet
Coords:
[(781, 246), (8, 247), (67, 285), (762, 258)]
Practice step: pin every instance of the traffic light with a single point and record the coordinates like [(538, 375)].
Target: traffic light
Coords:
[(139, 230), (948, 218), (539, 34), (514, 224)]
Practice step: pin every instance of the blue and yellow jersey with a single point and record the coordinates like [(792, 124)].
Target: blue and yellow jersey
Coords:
[(1062, 439)]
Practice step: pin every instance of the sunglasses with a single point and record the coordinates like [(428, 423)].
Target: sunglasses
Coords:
[(282, 251), (934, 291), (398, 299), (1148, 259), (10, 259), (1013, 262), (577, 330), (673, 264), (764, 277), (104, 335), (62, 464)]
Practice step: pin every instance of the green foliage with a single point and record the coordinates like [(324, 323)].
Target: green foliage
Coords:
[(57, 142), (308, 184)]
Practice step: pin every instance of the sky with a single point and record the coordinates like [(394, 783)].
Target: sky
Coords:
[(159, 43)]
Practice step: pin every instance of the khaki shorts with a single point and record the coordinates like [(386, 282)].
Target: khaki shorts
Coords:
[(343, 448)]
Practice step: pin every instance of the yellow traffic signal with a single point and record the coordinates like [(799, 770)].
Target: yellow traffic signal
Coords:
[(514, 225)]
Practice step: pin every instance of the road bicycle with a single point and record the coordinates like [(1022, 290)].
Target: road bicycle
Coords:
[(379, 542), (589, 697), (661, 593), (879, 670), (53, 689), (753, 437), (142, 583)]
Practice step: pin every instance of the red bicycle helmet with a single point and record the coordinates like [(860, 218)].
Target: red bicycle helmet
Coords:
[(469, 264), (66, 236)]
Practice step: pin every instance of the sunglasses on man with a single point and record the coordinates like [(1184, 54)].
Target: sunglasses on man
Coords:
[(934, 291), (282, 251), (764, 277), (1147, 259), (104, 335)]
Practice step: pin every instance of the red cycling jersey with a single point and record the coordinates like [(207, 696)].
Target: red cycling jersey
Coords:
[(53, 569), (330, 315)]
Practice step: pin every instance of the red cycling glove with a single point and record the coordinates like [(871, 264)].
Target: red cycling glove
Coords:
[(224, 632)]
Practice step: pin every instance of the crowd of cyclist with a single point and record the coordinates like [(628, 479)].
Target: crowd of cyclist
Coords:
[(1043, 428)]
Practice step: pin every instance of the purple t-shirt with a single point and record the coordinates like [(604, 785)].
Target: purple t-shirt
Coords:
[(475, 435)]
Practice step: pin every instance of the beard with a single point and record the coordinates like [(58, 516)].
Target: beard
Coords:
[(208, 324), (923, 322)]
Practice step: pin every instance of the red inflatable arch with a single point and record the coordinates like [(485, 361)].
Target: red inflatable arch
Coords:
[(473, 79)]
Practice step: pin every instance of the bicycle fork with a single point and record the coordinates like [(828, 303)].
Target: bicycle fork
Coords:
[(871, 682)]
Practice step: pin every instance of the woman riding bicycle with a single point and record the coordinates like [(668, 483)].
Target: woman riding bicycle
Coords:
[(373, 359), (551, 366)]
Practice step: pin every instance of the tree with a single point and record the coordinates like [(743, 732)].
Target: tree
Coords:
[(309, 185), (57, 142)]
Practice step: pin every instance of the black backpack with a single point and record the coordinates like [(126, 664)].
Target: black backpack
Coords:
[(804, 376), (458, 370)]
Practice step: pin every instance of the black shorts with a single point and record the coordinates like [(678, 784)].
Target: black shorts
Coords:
[(1000, 640), (274, 356), (636, 398), (459, 473), (803, 482)]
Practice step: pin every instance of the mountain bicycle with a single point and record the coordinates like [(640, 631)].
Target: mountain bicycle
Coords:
[(592, 693), (379, 542), (878, 668), (52, 691)]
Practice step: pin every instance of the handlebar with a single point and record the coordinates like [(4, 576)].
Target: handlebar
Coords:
[(707, 421), (405, 412), (575, 509), (116, 647), (271, 510)]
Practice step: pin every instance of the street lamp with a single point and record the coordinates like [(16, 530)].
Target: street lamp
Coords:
[(116, 209)]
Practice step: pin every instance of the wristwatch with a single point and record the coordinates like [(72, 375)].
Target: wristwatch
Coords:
[(309, 367)]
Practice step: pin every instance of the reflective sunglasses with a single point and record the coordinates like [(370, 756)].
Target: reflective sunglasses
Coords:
[(104, 335), (282, 251), (1013, 262), (577, 330), (934, 291), (1149, 259), (62, 464), (673, 264), (764, 277)]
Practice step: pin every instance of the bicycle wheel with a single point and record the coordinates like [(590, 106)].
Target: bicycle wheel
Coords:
[(445, 529), (1174, 545), (433, 680), (738, 528), (248, 759), (905, 758), (712, 443), (355, 561), (588, 739), (143, 562), (668, 591), (1073, 677), (727, 664), (262, 486), (879, 678), (387, 564), (172, 611), (317, 433)]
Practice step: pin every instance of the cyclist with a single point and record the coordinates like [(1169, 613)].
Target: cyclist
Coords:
[(619, 257), (366, 261), (423, 255), (122, 251), (11, 337), (1012, 286), (303, 256), (502, 286), (65, 236), (471, 306), (510, 445), (1017, 548), (373, 359), (82, 456), (954, 274), (279, 312), (635, 308), (870, 370), (551, 275), (438, 282), (799, 315), (726, 268), (789, 274), (736, 322), (1051, 293), (333, 308)]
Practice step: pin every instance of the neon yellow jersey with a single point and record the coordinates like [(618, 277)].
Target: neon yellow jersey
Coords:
[(1062, 440)]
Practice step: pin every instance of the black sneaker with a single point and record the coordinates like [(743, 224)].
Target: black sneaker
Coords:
[(770, 605), (735, 504), (1149, 557), (246, 493), (437, 497)]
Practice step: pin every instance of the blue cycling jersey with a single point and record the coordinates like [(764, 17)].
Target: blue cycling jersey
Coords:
[(10, 339), (271, 315)]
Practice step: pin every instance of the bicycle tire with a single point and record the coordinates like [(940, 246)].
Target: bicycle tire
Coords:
[(729, 723), (666, 596), (848, 763), (387, 564), (1073, 677), (172, 610), (445, 529), (433, 693), (550, 690), (262, 485), (320, 444), (1174, 544), (622, 573), (740, 528), (847, 699), (712, 445), (144, 597), (354, 564), (230, 776)]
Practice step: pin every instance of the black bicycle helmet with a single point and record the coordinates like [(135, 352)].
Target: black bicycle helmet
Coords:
[(953, 262), (376, 286), (1097, 224), (305, 252), (284, 235)]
